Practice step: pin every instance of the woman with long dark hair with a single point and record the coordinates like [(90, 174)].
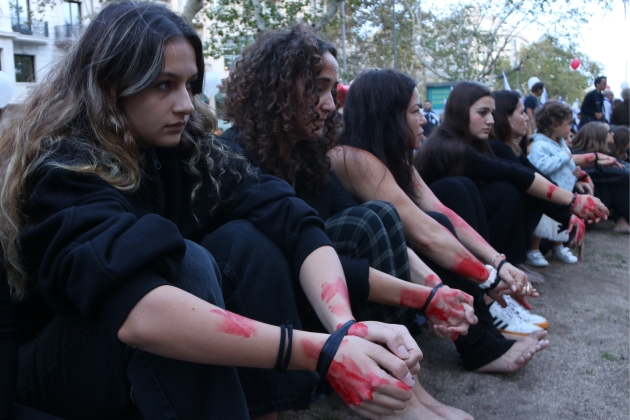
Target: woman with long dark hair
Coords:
[(281, 100), (134, 237), (382, 127)]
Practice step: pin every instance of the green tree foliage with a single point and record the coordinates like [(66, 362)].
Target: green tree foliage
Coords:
[(550, 61)]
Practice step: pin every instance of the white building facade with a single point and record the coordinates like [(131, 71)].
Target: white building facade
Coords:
[(33, 38)]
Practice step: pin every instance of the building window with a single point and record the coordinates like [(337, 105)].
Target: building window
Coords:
[(24, 68), (72, 13), (20, 15)]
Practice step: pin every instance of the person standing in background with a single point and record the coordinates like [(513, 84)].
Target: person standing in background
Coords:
[(593, 104), (433, 119), (531, 103), (609, 97)]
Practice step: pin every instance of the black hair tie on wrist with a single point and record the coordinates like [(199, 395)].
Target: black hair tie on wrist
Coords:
[(287, 357), (421, 318), (498, 279), (330, 348), (281, 349), (282, 362)]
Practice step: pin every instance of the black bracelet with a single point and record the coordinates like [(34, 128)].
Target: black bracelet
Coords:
[(330, 348), (498, 279), (281, 350), (421, 318), (583, 177), (287, 357), (595, 159)]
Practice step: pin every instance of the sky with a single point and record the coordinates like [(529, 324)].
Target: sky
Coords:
[(606, 38)]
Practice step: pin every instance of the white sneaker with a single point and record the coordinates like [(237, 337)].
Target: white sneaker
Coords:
[(536, 258), (564, 254), (507, 321), (524, 314)]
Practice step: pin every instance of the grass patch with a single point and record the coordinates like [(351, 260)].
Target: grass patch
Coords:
[(609, 356)]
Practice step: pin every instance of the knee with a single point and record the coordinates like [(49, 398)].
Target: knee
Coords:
[(358, 220), (200, 274), (449, 190)]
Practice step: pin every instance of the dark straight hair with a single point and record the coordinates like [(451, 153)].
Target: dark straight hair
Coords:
[(505, 102), (443, 154), (375, 119)]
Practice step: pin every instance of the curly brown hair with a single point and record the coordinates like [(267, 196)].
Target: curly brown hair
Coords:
[(552, 113), (263, 103)]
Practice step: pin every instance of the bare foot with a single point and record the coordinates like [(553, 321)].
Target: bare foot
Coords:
[(532, 276), (415, 410), (446, 411), (515, 358), (534, 339), (622, 226)]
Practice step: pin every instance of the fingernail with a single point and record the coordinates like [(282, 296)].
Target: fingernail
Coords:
[(409, 380), (402, 351)]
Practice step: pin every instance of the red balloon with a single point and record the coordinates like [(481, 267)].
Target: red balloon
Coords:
[(342, 91), (575, 63)]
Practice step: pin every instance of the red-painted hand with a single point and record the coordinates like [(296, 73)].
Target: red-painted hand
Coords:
[(359, 375), (576, 230), (589, 208)]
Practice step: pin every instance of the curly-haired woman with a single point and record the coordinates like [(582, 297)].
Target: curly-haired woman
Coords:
[(113, 192), (281, 99)]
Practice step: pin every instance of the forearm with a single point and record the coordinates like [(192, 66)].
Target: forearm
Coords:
[(585, 160), (173, 323), (391, 291), (420, 273), (436, 242), (323, 282), (544, 189), (468, 236)]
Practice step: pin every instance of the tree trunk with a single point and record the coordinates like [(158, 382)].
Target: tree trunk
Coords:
[(191, 9)]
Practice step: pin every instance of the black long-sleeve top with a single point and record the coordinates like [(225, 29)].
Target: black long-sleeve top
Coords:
[(333, 198), (557, 212), (95, 251), (479, 168)]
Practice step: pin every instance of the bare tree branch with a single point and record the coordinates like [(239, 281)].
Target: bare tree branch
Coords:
[(333, 5)]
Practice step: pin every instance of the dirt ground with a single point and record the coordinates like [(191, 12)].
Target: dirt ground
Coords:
[(583, 375)]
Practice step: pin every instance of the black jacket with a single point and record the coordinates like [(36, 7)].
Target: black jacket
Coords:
[(93, 250)]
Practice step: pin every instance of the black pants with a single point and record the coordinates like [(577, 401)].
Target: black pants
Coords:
[(484, 342), (616, 197), (75, 370), (257, 283)]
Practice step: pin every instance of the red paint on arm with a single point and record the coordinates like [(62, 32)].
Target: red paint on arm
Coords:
[(337, 288), (550, 190), (432, 280), (472, 269), (311, 349), (458, 223), (234, 324), (588, 157), (413, 298)]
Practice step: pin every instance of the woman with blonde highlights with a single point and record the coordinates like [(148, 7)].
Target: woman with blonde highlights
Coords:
[(134, 237)]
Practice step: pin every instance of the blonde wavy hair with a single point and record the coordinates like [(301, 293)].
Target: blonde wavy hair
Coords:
[(120, 53)]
